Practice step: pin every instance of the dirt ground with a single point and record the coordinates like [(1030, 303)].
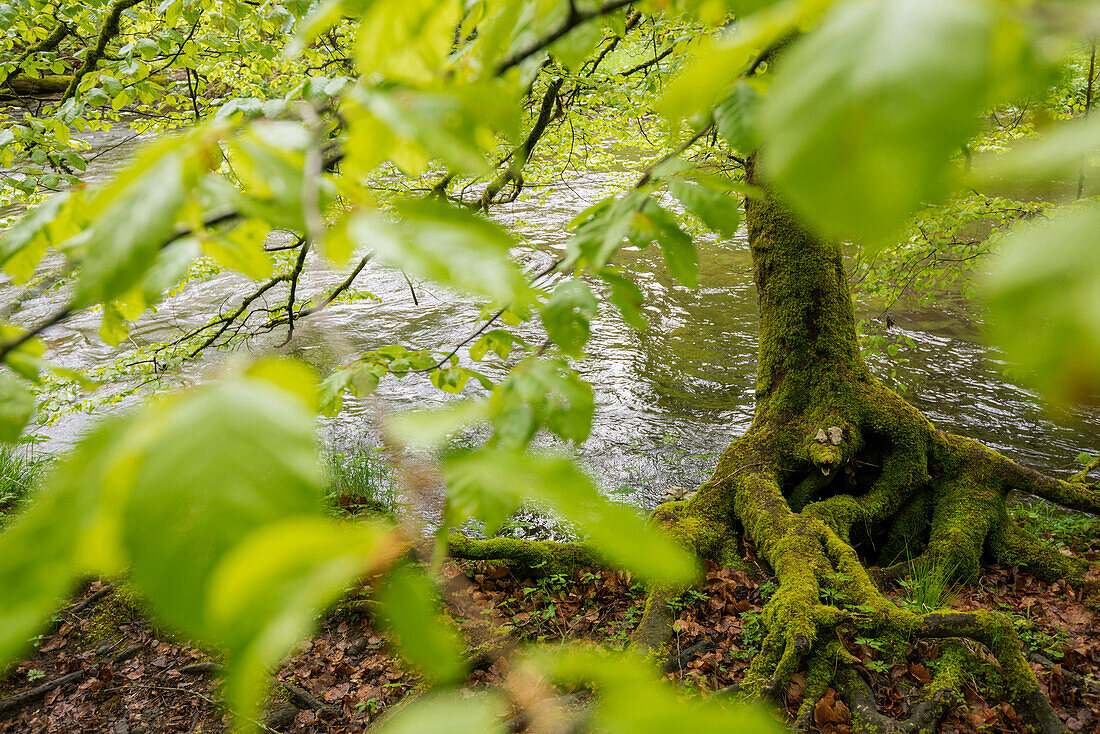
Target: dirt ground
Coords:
[(104, 667)]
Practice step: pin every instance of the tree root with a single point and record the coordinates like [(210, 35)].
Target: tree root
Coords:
[(892, 483), (16, 700), (865, 471)]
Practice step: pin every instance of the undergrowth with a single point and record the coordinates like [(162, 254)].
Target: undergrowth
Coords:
[(358, 482), (20, 472)]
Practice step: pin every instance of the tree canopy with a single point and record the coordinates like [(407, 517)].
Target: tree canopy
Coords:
[(922, 134)]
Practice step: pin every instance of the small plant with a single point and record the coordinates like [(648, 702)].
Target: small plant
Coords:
[(685, 600), (35, 674), (831, 590), (358, 482), (752, 633), (19, 473), (1049, 641), (878, 666), (928, 585)]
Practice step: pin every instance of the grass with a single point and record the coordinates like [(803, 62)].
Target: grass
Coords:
[(928, 585), (358, 482), (20, 472)]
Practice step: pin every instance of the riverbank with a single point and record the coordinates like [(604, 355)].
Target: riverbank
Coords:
[(104, 666)]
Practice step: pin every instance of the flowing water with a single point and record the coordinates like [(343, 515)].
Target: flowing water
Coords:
[(669, 399)]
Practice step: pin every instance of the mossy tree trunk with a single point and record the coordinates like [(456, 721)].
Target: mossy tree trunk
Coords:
[(837, 473)]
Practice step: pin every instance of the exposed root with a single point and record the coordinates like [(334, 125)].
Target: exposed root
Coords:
[(893, 483)]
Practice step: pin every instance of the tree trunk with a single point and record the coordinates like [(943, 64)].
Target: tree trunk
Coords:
[(837, 471)]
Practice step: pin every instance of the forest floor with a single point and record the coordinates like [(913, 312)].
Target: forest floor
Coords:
[(104, 667)]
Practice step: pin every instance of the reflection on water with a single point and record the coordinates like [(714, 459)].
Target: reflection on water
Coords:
[(669, 399)]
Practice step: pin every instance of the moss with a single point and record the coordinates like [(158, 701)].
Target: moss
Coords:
[(531, 557), (908, 533), (122, 606), (48, 84), (1013, 546), (819, 674)]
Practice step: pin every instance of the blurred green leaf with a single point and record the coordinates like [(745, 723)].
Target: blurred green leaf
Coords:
[(626, 296), (429, 428), (567, 315), (43, 553), (865, 111), (425, 638), (631, 698), (16, 406), (538, 394), (133, 217), (735, 118), (266, 592), (451, 246), (451, 711), (1045, 164), (212, 467), (1045, 306), (719, 210), (490, 478), (656, 224)]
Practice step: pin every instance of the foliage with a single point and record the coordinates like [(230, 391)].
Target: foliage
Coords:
[(362, 137)]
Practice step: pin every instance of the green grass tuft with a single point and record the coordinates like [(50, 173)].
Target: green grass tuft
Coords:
[(929, 586), (358, 482), (20, 473)]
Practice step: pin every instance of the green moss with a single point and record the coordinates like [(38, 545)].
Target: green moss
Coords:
[(532, 557), (122, 606)]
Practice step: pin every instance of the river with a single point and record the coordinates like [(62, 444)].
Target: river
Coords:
[(669, 399)]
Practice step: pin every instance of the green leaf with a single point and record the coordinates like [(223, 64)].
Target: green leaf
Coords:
[(1044, 303), (679, 251), (422, 634), (539, 394), (450, 711), (1044, 164), (566, 316), (616, 530), (572, 50), (16, 406), (213, 467), (407, 41), (719, 210), (735, 118), (865, 112), (133, 217), (32, 227), (427, 429), (498, 341), (42, 553), (269, 160), (630, 697), (451, 246), (242, 249), (169, 268), (627, 297), (265, 594)]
